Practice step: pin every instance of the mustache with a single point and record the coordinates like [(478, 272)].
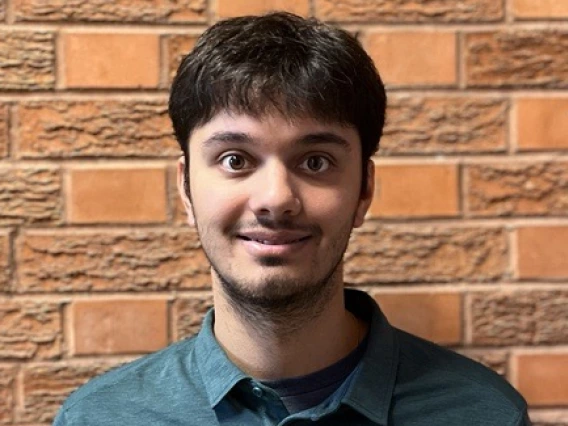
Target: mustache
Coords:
[(275, 225)]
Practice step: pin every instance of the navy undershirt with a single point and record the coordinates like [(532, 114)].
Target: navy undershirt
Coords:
[(300, 393)]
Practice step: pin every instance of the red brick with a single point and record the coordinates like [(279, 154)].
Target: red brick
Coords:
[(178, 46), (439, 125), (519, 317), (542, 378), (97, 260), (512, 189), (230, 8), (543, 251), (414, 58), (119, 326), (543, 9), (3, 131), (5, 262), (542, 123), (129, 195), (189, 313), (391, 253), (525, 58), (30, 195), (93, 60), (409, 11), (45, 387), (29, 330), (27, 60), (415, 190), (432, 316), (111, 128), (156, 11), (7, 392)]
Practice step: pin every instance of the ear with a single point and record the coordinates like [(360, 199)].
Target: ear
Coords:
[(366, 197), (184, 191)]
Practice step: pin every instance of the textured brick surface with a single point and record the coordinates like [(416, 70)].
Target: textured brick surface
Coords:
[(415, 190), (414, 58), (189, 313), (542, 123), (228, 8), (27, 60), (429, 125), (29, 330), (47, 385), (110, 60), (3, 131), (178, 46), (528, 188), (133, 128), (432, 316), (134, 195), (495, 359), (115, 11), (543, 252), (119, 326), (5, 268), (30, 195), (532, 58), (390, 254), (549, 417), (540, 9), (542, 378), (7, 392), (519, 317), (409, 10), (134, 260)]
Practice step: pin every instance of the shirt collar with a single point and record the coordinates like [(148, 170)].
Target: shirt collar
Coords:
[(371, 390), (218, 373)]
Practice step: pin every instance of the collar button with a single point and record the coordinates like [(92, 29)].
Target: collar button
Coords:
[(258, 392)]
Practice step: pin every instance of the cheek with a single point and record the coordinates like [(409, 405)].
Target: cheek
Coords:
[(215, 204), (329, 205)]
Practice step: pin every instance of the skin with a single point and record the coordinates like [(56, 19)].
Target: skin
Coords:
[(274, 202)]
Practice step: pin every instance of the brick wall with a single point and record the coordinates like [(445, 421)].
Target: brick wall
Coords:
[(466, 243)]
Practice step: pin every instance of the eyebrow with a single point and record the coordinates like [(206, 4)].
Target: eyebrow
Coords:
[(317, 138)]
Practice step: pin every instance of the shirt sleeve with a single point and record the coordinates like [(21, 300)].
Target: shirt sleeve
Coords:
[(60, 419)]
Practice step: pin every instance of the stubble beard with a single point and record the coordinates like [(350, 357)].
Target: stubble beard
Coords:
[(281, 304)]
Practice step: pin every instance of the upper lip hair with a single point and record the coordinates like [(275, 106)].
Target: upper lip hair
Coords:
[(274, 237)]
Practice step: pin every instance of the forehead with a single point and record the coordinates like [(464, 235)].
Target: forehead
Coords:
[(273, 129)]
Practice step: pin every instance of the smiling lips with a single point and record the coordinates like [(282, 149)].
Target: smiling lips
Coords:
[(260, 243), (274, 238)]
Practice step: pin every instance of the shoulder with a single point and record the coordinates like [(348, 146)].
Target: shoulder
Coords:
[(138, 385), (458, 385)]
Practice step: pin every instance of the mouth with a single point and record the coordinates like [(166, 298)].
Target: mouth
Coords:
[(274, 241)]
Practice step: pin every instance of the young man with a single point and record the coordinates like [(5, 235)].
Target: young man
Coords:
[(278, 118)]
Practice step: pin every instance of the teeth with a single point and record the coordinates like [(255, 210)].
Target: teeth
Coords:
[(271, 243)]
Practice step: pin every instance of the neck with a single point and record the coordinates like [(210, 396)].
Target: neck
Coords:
[(275, 350)]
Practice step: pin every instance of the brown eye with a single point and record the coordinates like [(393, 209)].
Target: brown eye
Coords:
[(233, 162), (316, 163)]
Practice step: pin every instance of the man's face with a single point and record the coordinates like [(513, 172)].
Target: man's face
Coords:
[(274, 202)]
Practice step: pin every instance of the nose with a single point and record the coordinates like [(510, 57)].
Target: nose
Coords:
[(273, 192)]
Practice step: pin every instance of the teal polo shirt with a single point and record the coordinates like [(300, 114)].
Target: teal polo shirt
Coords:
[(401, 380)]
